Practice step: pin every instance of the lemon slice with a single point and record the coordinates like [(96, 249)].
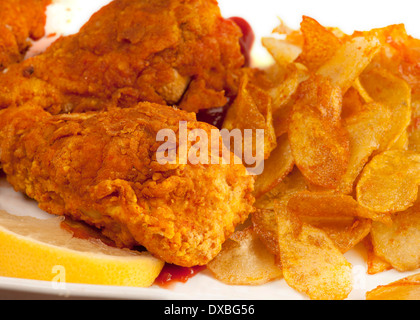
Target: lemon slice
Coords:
[(41, 250)]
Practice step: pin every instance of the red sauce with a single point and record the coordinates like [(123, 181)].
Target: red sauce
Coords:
[(216, 116), (213, 116), (247, 40), (81, 230), (171, 274)]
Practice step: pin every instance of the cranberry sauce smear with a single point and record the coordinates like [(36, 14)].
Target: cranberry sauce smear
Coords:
[(214, 116), (172, 273), (247, 40)]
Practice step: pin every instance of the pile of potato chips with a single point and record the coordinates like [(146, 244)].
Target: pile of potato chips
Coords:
[(341, 115)]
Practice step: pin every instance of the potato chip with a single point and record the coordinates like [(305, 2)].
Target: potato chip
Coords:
[(282, 51), (344, 221), (319, 44), (402, 143), (414, 128), (349, 61), (264, 218), (264, 222), (337, 215), (393, 34), (276, 167), (366, 129), (375, 264), (353, 103), (244, 260), (344, 232), (399, 243), (346, 125), (389, 182), (414, 137), (340, 34), (295, 37), (404, 289), (282, 28), (284, 95), (410, 55), (252, 110), (311, 263), (395, 94), (285, 78), (283, 92), (277, 74), (399, 54), (362, 92), (319, 142), (281, 119), (292, 183), (328, 204)]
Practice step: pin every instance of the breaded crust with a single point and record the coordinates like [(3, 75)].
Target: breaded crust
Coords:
[(163, 51), (19, 20), (101, 168)]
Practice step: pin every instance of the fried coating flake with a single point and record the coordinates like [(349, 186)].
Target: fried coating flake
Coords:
[(319, 142)]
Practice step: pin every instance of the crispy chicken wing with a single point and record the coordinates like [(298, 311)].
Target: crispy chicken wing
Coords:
[(19, 20), (101, 168), (163, 51)]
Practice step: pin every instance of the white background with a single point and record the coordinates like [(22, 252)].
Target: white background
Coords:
[(66, 16), (347, 15)]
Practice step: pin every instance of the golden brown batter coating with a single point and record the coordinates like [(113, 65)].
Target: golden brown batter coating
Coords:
[(101, 168), (163, 51), (19, 20)]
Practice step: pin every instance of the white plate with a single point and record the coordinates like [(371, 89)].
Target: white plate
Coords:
[(67, 16)]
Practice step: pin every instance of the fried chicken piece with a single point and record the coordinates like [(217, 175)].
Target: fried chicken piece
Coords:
[(131, 51), (19, 20), (101, 168)]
